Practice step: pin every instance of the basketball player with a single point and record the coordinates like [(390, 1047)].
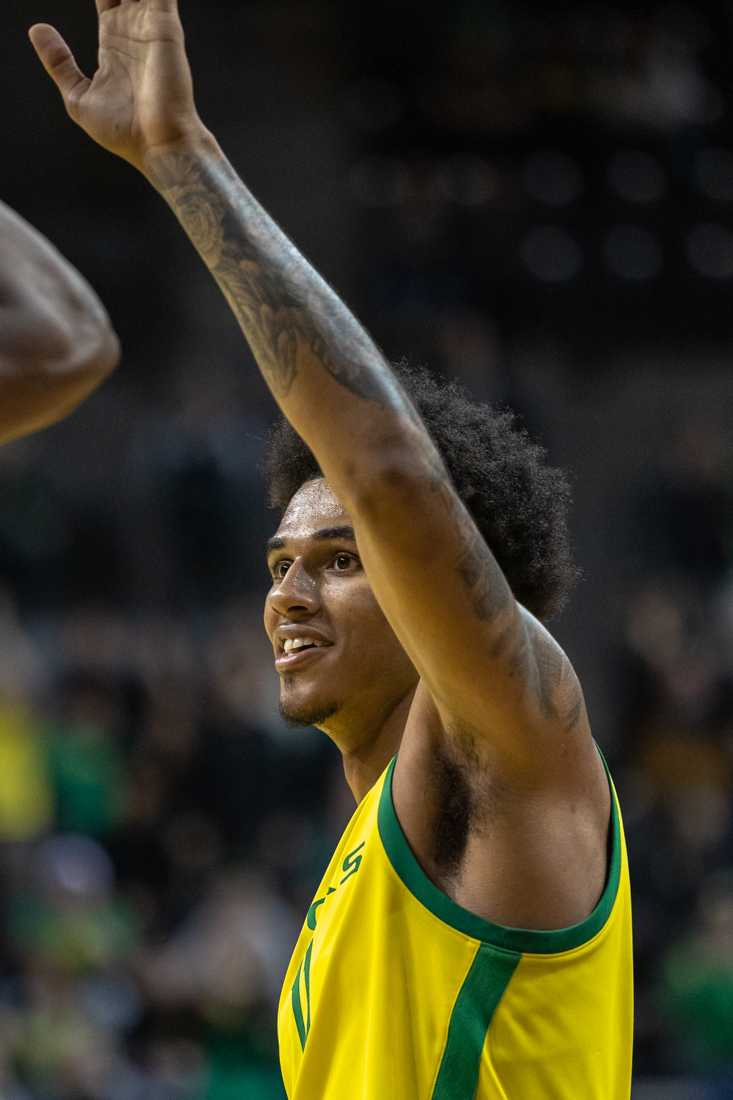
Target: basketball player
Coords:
[(56, 340), (472, 934)]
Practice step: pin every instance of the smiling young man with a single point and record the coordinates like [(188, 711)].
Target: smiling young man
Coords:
[(471, 937)]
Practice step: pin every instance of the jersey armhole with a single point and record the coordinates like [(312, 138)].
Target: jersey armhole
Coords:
[(525, 940)]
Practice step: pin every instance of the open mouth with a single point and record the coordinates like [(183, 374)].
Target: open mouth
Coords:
[(300, 656)]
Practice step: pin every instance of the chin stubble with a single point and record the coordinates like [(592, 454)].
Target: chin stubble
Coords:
[(314, 714)]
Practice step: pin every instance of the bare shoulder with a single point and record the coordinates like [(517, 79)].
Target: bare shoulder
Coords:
[(524, 851)]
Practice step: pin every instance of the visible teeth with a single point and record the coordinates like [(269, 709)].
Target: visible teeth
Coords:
[(298, 643)]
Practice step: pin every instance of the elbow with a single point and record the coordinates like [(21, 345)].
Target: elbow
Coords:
[(37, 346), (78, 368), (40, 390), (106, 356), (88, 365), (393, 482), (84, 363), (90, 346), (407, 465)]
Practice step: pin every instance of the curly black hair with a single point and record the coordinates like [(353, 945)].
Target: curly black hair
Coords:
[(519, 503)]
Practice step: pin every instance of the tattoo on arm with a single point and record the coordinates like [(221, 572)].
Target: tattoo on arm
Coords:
[(558, 692), (287, 311), (527, 655), (482, 576), (281, 303)]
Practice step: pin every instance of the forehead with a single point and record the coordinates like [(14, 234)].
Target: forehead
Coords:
[(314, 506)]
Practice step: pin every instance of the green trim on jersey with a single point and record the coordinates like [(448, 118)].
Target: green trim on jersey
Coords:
[(307, 975), (524, 940), (483, 988), (297, 1011), (303, 1026)]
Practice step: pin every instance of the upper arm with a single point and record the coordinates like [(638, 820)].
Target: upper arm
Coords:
[(489, 665)]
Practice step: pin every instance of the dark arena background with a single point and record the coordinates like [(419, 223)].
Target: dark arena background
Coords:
[(537, 200)]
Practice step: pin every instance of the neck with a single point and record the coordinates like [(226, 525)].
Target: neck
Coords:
[(364, 765)]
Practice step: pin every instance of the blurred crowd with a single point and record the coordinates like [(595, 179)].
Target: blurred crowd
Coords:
[(161, 832), (159, 844), (674, 667), (539, 203)]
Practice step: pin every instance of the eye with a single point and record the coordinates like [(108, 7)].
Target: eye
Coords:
[(277, 570), (348, 559)]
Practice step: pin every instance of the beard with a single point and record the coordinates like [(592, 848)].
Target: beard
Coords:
[(307, 713)]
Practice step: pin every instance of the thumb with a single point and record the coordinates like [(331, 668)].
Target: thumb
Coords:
[(59, 63)]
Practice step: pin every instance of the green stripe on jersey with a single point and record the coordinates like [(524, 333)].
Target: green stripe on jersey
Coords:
[(297, 1010), (307, 975), (482, 989)]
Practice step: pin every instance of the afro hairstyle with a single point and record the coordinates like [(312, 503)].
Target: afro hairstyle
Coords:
[(518, 502)]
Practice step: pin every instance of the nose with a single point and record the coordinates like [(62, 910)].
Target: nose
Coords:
[(297, 591)]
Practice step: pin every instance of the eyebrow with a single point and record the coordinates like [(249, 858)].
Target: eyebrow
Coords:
[(325, 534)]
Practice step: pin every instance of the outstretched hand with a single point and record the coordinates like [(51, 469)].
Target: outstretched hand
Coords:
[(141, 96)]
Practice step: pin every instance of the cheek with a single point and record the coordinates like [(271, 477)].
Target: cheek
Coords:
[(366, 631)]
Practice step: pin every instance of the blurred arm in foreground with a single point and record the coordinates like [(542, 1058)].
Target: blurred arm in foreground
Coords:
[(56, 341)]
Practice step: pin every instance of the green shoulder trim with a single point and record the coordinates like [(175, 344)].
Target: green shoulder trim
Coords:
[(525, 940)]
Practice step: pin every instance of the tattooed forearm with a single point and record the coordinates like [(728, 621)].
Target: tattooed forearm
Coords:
[(291, 318)]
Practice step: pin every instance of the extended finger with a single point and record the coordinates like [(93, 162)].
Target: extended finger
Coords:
[(58, 61)]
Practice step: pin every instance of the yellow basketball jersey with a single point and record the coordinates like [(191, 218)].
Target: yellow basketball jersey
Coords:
[(395, 992)]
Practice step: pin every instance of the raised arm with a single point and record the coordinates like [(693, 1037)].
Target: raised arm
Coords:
[(490, 667), (56, 340)]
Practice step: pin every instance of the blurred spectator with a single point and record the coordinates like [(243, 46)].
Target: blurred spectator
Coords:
[(695, 988)]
